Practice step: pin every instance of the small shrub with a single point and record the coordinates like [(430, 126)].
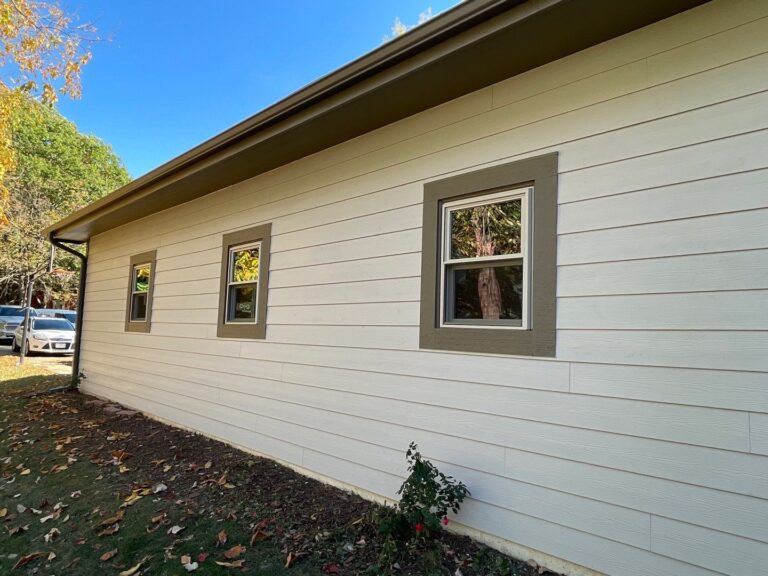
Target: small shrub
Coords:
[(426, 496)]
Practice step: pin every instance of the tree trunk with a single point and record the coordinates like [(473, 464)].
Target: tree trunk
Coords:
[(488, 288)]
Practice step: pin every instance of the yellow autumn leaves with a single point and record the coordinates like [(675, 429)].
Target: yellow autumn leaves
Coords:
[(42, 52)]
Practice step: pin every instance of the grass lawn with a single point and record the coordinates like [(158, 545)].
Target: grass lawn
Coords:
[(85, 490)]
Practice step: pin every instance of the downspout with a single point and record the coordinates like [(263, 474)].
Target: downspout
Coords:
[(80, 303)]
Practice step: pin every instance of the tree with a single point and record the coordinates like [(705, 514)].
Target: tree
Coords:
[(42, 52), (57, 170)]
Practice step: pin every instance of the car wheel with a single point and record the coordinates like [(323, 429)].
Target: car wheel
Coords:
[(26, 349), (14, 346)]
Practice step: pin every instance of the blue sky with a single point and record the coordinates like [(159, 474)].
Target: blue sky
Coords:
[(177, 72)]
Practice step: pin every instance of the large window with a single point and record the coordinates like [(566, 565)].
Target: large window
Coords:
[(489, 260), (244, 280), (141, 281)]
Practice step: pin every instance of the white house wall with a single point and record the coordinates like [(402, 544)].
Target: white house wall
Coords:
[(642, 448)]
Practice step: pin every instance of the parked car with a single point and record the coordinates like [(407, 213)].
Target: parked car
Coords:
[(70, 315), (11, 316), (47, 336)]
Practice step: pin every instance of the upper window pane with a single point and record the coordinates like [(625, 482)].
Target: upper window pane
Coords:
[(487, 230), (141, 278), (245, 265)]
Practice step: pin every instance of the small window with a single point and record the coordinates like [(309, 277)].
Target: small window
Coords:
[(140, 292), (140, 286), (244, 280), (484, 263), (243, 283), (489, 260)]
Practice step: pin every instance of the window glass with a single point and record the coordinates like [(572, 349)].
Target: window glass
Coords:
[(245, 265), (493, 292), (488, 230), (52, 324), (141, 278)]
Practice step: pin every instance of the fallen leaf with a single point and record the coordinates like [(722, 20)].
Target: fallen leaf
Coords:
[(259, 536), (25, 472), (191, 567), (235, 564), (186, 559), (159, 487), (175, 529), (108, 555), (3, 512), (123, 469), (51, 535), (109, 531), (159, 518), (208, 465), (221, 538), (24, 560), (202, 556), (234, 552), (51, 556), (113, 519)]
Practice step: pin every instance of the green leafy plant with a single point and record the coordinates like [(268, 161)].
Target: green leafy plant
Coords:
[(426, 497)]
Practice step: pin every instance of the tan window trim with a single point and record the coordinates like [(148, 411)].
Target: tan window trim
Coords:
[(140, 325), (255, 330), (540, 173)]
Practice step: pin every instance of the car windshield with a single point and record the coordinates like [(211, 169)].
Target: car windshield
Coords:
[(51, 324), (9, 311)]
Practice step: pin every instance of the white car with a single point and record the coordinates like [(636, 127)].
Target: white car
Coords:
[(46, 336)]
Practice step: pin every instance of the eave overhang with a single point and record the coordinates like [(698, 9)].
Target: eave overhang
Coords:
[(477, 43)]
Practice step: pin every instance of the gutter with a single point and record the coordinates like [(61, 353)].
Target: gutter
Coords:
[(80, 303)]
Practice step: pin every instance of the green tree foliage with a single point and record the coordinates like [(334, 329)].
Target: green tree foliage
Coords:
[(57, 171)]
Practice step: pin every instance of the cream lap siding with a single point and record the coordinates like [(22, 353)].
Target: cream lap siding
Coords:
[(642, 448)]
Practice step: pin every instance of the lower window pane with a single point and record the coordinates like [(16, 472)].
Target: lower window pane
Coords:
[(139, 306), (492, 293), (242, 303)]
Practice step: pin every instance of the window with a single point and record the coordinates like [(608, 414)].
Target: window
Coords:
[(489, 260), (244, 280), (141, 281)]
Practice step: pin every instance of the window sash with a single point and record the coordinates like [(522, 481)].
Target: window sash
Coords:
[(446, 262), (228, 319), (132, 317)]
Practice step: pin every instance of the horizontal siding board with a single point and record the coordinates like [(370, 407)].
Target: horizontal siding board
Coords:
[(700, 311), (404, 242), (377, 314), (719, 428), (696, 162), (714, 388), (700, 273), (579, 547), (718, 233), (395, 290), (723, 552), (733, 513), (402, 266), (723, 350), (730, 193)]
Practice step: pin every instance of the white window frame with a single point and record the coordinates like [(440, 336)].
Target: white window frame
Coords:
[(230, 282), (134, 291), (523, 194)]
